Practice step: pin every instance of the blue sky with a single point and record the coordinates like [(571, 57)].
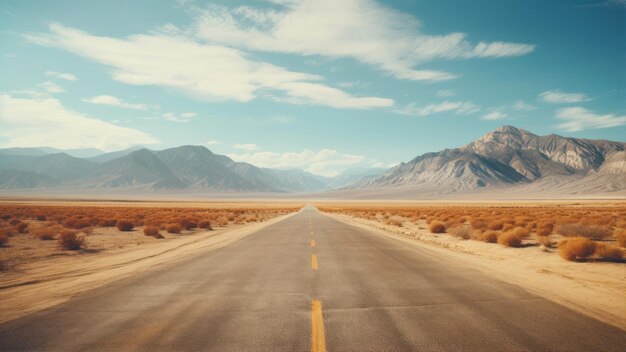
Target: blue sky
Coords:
[(319, 85)]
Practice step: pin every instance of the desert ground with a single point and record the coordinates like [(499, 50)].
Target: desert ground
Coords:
[(246, 275)]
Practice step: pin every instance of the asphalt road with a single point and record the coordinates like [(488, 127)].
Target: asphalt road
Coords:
[(308, 283)]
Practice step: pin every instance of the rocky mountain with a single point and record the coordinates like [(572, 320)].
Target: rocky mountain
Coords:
[(511, 156), (185, 168)]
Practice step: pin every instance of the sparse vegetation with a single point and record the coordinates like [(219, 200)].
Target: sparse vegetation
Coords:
[(152, 231), (594, 232), (70, 240), (511, 226), (461, 231), (576, 248), (125, 225), (173, 228), (437, 227)]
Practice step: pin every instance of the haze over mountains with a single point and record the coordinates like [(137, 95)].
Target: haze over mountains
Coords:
[(508, 158)]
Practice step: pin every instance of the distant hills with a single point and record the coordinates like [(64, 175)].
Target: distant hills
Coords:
[(508, 159)]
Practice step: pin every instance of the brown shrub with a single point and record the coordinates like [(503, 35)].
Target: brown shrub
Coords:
[(512, 237), (70, 240), (576, 248), (593, 232), (461, 231), (125, 225), (620, 237), (44, 233), (152, 231), (437, 227), (394, 222), (479, 224), (204, 224), (487, 236), (608, 252), (22, 227), (173, 228), (495, 225)]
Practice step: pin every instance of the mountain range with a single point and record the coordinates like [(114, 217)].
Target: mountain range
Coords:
[(511, 157), (507, 158)]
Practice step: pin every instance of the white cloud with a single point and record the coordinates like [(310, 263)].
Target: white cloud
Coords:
[(44, 121), (494, 115), (184, 117), (213, 142), (522, 106), (326, 162), (578, 119), (458, 107), (114, 101), (445, 93), (51, 87), (207, 72), (246, 146), (359, 29), (555, 96), (61, 75)]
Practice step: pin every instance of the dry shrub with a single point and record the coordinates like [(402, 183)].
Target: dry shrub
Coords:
[(437, 227), (593, 232), (125, 225), (544, 240), (45, 233), (620, 237), (495, 225), (204, 224), (152, 231), (487, 236), (461, 231), (70, 240), (478, 224), (576, 248), (22, 227), (173, 228), (512, 237), (608, 252)]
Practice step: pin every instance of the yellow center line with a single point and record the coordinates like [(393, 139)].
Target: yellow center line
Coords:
[(312, 243), (318, 340), (313, 261)]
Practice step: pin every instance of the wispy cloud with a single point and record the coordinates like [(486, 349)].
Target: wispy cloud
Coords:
[(359, 29), (213, 142), (325, 162), (522, 106), (458, 107), (184, 117), (494, 115), (203, 71), (62, 75), (51, 87), (579, 118), (114, 101), (556, 96), (445, 93), (37, 121), (246, 146)]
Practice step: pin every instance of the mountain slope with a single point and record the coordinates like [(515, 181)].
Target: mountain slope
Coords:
[(510, 157)]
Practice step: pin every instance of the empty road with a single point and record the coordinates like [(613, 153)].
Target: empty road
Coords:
[(311, 283)]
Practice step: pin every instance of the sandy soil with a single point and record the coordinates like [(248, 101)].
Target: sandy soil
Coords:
[(597, 289), (41, 275)]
